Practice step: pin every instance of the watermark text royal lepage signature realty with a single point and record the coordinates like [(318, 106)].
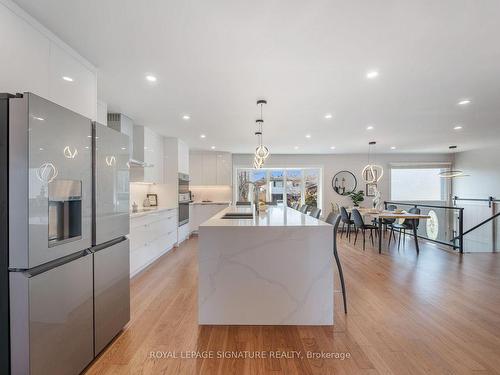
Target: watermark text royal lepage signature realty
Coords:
[(247, 354)]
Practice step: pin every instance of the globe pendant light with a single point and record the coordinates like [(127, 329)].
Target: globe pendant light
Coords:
[(372, 173)]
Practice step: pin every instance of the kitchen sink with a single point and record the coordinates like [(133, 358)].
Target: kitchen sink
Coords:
[(238, 215)]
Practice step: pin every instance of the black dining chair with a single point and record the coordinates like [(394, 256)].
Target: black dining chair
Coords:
[(359, 224), (315, 212), (346, 220), (406, 224), (388, 222), (334, 219), (304, 208), (295, 206)]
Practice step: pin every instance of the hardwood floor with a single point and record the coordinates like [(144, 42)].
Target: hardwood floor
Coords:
[(436, 313)]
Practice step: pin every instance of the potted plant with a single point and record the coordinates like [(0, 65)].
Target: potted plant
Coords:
[(357, 197)]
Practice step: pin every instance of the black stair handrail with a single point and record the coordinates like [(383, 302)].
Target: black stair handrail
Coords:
[(476, 226)]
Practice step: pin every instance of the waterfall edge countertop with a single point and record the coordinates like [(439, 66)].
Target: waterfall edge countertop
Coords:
[(275, 216), (273, 269)]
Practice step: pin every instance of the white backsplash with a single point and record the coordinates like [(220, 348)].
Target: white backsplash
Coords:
[(138, 193), (212, 193)]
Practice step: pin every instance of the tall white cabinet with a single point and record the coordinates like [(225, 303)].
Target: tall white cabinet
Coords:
[(210, 168)]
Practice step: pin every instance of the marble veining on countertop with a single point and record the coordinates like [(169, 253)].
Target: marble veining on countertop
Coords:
[(211, 202), (275, 216)]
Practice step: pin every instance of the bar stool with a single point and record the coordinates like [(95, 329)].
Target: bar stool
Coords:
[(315, 212), (304, 208), (346, 220), (334, 219)]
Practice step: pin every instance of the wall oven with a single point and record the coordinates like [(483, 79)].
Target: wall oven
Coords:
[(184, 199)]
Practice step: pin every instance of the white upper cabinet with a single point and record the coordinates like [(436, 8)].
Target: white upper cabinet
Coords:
[(195, 168), (183, 157), (224, 168), (153, 156), (80, 94), (210, 168), (147, 148), (35, 60)]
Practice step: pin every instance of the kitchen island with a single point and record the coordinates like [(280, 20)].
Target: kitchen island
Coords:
[(274, 268)]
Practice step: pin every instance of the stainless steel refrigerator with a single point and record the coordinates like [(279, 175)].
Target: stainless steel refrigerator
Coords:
[(63, 252)]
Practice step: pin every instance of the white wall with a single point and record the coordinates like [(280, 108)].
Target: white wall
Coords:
[(331, 164), (483, 166), (34, 59)]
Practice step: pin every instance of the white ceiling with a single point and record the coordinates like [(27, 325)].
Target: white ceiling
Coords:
[(213, 59)]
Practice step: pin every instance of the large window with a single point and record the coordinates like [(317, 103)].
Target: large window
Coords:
[(281, 185), (417, 184)]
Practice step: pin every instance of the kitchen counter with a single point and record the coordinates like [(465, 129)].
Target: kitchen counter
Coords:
[(148, 210), (273, 269), (275, 216), (209, 203)]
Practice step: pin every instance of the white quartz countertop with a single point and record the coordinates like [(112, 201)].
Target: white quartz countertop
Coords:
[(275, 216), (148, 210), (210, 203)]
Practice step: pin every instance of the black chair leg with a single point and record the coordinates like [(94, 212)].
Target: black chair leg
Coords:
[(342, 231), (356, 236), (349, 232), (371, 236), (399, 239), (390, 235), (364, 239), (341, 275)]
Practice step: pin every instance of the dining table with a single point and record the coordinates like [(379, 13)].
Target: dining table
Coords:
[(380, 215)]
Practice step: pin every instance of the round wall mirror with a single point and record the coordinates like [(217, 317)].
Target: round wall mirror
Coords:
[(344, 183)]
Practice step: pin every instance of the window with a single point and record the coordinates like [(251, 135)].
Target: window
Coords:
[(417, 184), (280, 185)]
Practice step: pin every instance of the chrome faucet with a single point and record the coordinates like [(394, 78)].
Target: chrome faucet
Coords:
[(255, 194)]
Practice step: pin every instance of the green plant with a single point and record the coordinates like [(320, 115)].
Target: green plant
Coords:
[(357, 197)]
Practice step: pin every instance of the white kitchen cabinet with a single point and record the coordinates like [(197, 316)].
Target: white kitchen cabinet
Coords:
[(183, 157), (209, 168), (151, 236), (153, 156), (78, 95), (224, 168), (147, 148), (33, 59), (195, 168)]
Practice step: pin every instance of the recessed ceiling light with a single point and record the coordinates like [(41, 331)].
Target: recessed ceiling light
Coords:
[(458, 127), (203, 136), (332, 148), (296, 148), (213, 147), (393, 147), (308, 136), (464, 102), (41, 148), (39, 118), (151, 78), (370, 127), (186, 117), (69, 79), (124, 148), (372, 74), (328, 116)]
